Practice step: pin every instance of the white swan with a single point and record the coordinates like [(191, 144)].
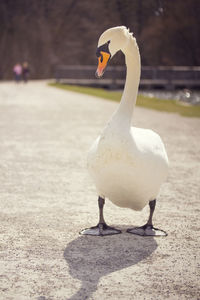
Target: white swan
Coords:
[(127, 164)]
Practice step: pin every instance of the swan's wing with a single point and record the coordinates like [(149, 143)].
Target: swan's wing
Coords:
[(148, 141)]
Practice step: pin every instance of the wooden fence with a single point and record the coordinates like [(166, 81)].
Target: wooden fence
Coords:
[(114, 77)]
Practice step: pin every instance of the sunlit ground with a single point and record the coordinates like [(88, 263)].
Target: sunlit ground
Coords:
[(173, 106)]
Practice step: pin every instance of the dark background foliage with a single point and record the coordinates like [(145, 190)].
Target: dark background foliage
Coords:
[(50, 32)]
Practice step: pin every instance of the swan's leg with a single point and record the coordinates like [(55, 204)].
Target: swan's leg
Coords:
[(148, 229), (152, 205), (102, 228)]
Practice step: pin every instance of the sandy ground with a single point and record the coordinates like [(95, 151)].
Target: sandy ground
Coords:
[(47, 197)]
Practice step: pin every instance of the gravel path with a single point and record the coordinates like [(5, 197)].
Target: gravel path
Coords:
[(47, 197)]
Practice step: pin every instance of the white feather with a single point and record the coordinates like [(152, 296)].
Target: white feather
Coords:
[(128, 164)]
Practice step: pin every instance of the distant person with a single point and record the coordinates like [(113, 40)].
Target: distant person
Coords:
[(25, 71), (17, 70)]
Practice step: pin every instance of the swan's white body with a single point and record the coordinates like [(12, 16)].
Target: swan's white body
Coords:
[(127, 164)]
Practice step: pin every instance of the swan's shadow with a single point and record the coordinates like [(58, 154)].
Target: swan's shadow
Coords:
[(89, 258)]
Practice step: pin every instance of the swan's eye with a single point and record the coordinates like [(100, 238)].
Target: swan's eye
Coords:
[(103, 48)]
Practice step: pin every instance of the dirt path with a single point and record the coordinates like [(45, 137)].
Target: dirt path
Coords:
[(47, 197)]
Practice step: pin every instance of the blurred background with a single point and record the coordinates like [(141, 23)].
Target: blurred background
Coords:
[(48, 33)]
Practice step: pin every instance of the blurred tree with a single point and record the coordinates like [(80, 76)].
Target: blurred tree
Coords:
[(48, 32), (173, 38)]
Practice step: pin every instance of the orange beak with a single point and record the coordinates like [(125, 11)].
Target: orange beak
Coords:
[(102, 63)]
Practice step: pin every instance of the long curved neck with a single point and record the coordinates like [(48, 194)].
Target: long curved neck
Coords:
[(124, 113)]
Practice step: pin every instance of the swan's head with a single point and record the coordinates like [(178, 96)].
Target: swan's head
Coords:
[(110, 42)]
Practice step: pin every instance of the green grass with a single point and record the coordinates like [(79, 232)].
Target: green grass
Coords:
[(172, 106)]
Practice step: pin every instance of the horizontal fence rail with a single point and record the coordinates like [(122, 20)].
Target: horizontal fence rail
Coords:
[(114, 77)]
